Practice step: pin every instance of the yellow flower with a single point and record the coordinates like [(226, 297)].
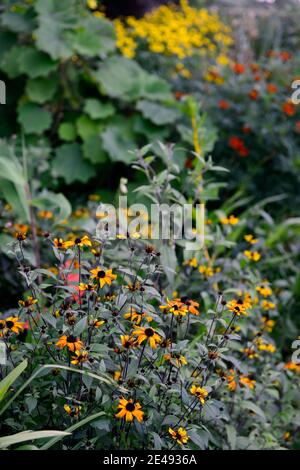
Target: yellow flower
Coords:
[(61, 244), (12, 324), (104, 277), (147, 334), (231, 220), (80, 357), (176, 358), (250, 353), (293, 367), (268, 324), (129, 410), (267, 305), (180, 436), (72, 411), (92, 4), (45, 214), (263, 346), (128, 342), (87, 287), (136, 318), (71, 342), (200, 393), (238, 307), (176, 307), (207, 271), (250, 239), (245, 381), (29, 302), (98, 322), (252, 255), (192, 262), (264, 290)]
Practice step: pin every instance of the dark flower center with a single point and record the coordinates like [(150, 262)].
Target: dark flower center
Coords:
[(130, 407), (9, 324), (176, 307), (240, 302), (2, 325), (77, 241), (71, 339), (149, 332), (101, 274)]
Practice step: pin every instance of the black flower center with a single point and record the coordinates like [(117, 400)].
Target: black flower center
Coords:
[(71, 339), (2, 325), (130, 407), (101, 274), (9, 324), (149, 332), (77, 241)]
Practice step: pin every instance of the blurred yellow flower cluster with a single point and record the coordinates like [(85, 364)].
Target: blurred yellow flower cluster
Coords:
[(179, 31)]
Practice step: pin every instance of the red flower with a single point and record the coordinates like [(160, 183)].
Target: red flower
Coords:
[(253, 95), (239, 69), (257, 77), (238, 145), (289, 109), (297, 127), (254, 67), (271, 88), (223, 104), (246, 130), (285, 56)]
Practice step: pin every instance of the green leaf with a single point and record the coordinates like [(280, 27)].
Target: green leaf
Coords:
[(118, 140), (120, 78), (87, 127), (157, 113), (70, 165), (33, 118), (29, 436), (67, 131), (40, 90), (57, 20), (95, 36), (35, 63), (6, 383), (10, 62), (75, 426), (97, 110), (93, 150), (248, 405)]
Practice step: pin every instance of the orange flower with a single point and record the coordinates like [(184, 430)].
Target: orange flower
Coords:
[(285, 56), (239, 69), (129, 409), (253, 95), (71, 342), (271, 88), (289, 109), (147, 334), (223, 104)]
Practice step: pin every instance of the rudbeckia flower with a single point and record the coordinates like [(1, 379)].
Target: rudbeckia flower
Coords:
[(200, 393), (87, 287), (71, 342), (28, 302), (147, 334), (83, 241), (72, 411), (250, 239), (128, 342), (137, 317), (238, 307), (180, 436), (61, 244), (176, 307), (176, 358), (245, 381), (104, 277), (252, 255), (191, 305), (98, 322), (80, 357), (14, 324), (129, 410)]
